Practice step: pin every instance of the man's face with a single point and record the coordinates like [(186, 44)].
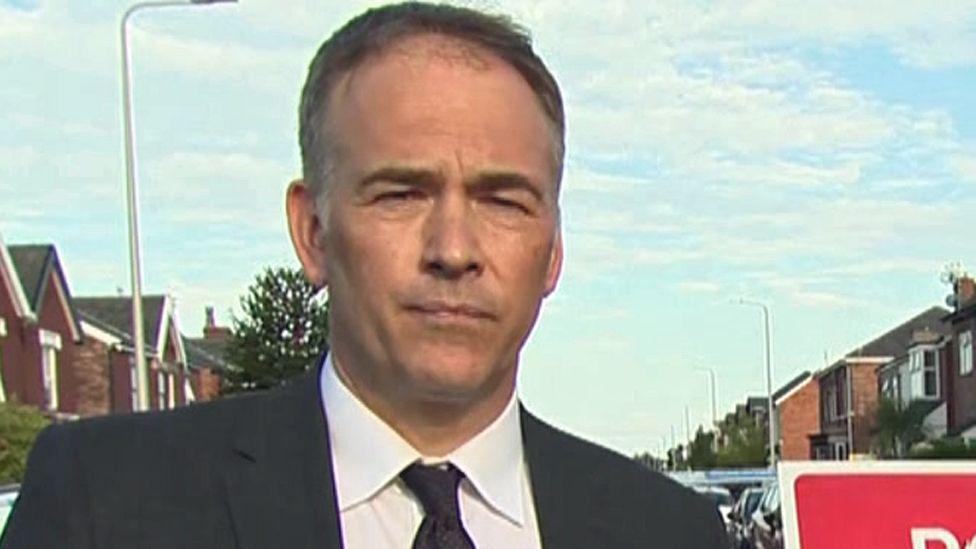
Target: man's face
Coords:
[(441, 234)]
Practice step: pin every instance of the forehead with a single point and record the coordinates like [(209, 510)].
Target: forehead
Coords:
[(437, 91)]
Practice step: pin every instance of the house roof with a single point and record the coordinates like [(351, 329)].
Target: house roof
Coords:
[(114, 315), (11, 281), (31, 262), (34, 264), (790, 386), (754, 403), (896, 341), (205, 353)]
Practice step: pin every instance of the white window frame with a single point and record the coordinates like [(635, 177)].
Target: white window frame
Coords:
[(3, 333), (831, 398), (50, 345), (171, 389), (161, 390), (133, 385), (841, 448), (966, 353), (918, 370)]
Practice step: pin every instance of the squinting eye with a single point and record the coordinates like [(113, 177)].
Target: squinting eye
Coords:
[(398, 195), (510, 204)]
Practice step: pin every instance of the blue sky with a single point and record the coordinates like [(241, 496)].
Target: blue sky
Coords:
[(818, 156)]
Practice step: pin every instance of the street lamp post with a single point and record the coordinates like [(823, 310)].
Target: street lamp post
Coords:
[(712, 391), (132, 196), (769, 380)]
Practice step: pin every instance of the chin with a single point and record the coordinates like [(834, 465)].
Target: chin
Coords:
[(453, 380)]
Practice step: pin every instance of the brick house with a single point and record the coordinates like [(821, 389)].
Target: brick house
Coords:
[(107, 323), (849, 393), (205, 358), (960, 379), (15, 313), (41, 331), (919, 376), (797, 406)]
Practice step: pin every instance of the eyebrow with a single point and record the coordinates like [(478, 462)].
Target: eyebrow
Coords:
[(490, 180)]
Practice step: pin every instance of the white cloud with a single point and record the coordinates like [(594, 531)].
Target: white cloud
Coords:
[(698, 287), (208, 189), (964, 165), (279, 70)]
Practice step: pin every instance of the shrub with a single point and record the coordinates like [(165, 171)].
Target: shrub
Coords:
[(19, 426)]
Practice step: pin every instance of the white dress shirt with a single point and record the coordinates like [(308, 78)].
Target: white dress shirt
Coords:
[(377, 511)]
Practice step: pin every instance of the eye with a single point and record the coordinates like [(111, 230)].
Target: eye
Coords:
[(399, 195), (508, 203)]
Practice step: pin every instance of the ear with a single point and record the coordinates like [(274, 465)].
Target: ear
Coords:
[(305, 228), (555, 264)]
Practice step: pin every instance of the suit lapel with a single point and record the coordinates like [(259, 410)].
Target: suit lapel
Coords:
[(280, 490), (567, 494)]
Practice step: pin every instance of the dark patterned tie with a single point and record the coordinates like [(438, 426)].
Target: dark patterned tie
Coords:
[(436, 486)]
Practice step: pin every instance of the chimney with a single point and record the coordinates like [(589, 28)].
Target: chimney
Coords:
[(211, 330), (965, 289)]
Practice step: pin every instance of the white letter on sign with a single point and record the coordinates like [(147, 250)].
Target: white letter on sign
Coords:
[(921, 537)]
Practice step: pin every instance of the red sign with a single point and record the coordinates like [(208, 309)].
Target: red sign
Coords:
[(879, 505)]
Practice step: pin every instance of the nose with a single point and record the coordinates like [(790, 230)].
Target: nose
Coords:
[(452, 243)]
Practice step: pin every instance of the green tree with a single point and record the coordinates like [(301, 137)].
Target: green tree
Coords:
[(898, 427), (19, 426), (701, 451), (745, 444), (284, 328), (649, 461)]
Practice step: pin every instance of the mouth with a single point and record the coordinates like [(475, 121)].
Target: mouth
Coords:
[(444, 311)]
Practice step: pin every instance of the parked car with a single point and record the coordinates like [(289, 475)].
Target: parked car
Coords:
[(720, 496), (766, 531), (739, 517)]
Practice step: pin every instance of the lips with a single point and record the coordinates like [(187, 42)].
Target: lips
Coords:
[(448, 311)]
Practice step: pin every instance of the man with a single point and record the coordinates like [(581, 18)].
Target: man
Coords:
[(432, 144)]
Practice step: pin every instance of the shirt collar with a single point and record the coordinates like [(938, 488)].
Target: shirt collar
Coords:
[(367, 454)]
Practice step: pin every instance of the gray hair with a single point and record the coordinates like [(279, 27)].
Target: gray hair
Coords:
[(375, 30)]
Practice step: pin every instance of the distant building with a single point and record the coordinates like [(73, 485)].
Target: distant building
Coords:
[(960, 378), (109, 347), (797, 405), (39, 332), (205, 358), (919, 376), (849, 392)]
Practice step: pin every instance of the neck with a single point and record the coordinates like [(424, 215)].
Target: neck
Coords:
[(434, 427)]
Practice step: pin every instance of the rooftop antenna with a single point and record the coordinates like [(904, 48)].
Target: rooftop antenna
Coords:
[(951, 274)]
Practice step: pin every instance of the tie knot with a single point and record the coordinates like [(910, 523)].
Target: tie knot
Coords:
[(436, 486)]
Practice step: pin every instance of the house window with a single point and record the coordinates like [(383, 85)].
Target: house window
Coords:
[(161, 390), (840, 451), (924, 371), (831, 403), (3, 333), (171, 389), (966, 353), (50, 345), (842, 396), (133, 385)]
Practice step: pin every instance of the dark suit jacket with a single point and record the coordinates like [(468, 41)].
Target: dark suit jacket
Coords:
[(254, 472)]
